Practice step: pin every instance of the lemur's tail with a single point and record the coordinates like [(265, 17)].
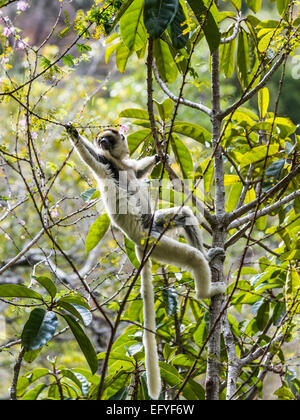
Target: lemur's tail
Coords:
[(151, 353)]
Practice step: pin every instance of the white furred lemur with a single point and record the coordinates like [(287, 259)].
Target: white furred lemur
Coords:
[(120, 180)]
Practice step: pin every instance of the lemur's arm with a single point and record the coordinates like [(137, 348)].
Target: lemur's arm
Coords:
[(84, 149), (144, 166)]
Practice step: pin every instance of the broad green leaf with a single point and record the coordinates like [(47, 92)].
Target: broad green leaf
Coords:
[(193, 131), (210, 27), (18, 291), (78, 379), (30, 356), (34, 393), (282, 6), (120, 13), (178, 27), (255, 5), (130, 251), (170, 375), (74, 300), (228, 58), (292, 289), (39, 329), (158, 14), (258, 153), (170, 299), (273, 174), (135, 139), (263, 102), (237, 4), (243, 59), (80, 312), (91, 194), (140, 114), (166, 65), (122, 55), (47, 284), (132, 28), (25, 381), (165, 109), (84, 343), (234, 196), (97, 232), (182, 156)]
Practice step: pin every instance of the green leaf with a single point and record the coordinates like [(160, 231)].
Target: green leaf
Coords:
[(74, 300), (166, 65), (78, 379), (292, 289), (138, 113), (18, 291), (135, 139), (68, 60), (237, 4), (193, 131), (122, 55), (243, 65), (228, 58), (158, 14), (91, 194), (47, 284), (84, 343), (30, 356), (192, 390), (30, 377), (254, 5), (39, 329), (210, 27), (177, 27), (170, 299), (80, 312), (97, 232), (182, 156), (258, 154), (130, 251), (273, 174), (132, 29), (34, 393), (263, 102), (282, 6), (165, 109), (120, 13)]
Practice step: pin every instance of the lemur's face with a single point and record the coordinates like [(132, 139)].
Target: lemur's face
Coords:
[(112, 143)]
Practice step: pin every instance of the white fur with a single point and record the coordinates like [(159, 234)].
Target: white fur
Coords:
[(168, 251)]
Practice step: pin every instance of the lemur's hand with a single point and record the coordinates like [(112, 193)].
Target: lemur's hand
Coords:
[(71, 130), (164, 158)]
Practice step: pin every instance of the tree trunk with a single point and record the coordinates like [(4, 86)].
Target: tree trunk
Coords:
[(213, 365)]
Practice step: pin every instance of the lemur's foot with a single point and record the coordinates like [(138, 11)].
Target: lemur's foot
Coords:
[(218, 288), (71, 130), (214, 252)]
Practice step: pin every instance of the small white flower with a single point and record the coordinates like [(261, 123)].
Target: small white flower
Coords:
[(22, 5)]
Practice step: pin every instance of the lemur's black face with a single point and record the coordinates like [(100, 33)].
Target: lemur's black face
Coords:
[(113, 143)]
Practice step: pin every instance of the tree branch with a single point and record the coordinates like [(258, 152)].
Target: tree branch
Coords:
[(246, 97), (235, 31), (186, 102)]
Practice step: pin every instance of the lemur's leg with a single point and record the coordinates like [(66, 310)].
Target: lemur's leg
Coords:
[(151, 353), (170, 251), (182, 217)]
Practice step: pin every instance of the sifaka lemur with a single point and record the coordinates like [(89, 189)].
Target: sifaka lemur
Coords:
[(128, 204)]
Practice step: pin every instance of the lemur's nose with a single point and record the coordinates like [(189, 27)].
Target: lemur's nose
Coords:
[(105, 144)]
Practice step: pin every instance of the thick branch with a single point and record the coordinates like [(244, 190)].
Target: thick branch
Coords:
[(235, 31), (247, 207), (186, 102), (266, 210)]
